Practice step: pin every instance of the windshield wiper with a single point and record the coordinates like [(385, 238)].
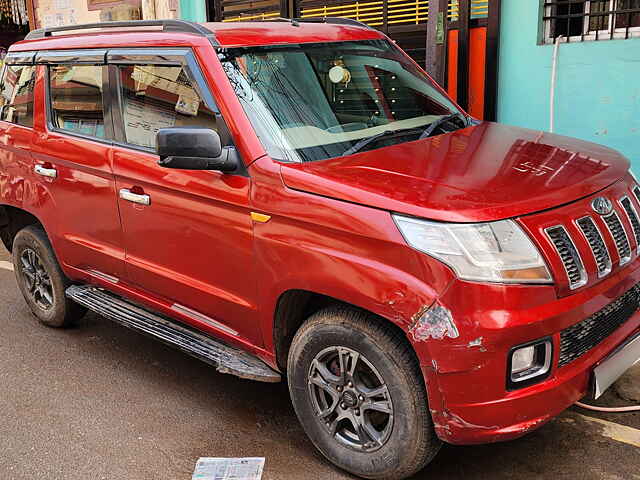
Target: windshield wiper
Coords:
[(425, 132), (441, 121), (367, 140)]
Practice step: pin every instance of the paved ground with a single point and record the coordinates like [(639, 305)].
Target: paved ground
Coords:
[(100, 402)]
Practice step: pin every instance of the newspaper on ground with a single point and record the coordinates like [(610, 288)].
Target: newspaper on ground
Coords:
[(228, 468)]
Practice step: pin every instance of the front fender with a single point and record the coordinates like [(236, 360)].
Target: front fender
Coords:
[(346, 251)]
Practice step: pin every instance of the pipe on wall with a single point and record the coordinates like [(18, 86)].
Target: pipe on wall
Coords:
[(552, 93)]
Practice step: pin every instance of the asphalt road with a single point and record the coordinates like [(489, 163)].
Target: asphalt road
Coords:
[(101, 402)]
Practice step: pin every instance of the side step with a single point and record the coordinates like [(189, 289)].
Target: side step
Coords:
[(226, 359)]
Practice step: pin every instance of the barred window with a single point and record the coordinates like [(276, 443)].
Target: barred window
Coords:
[(579, 20)]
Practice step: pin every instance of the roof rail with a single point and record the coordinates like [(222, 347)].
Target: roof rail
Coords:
[(332, 20), (167, 26)]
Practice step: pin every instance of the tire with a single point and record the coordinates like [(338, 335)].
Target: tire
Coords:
[(41, 280), (403, 441)]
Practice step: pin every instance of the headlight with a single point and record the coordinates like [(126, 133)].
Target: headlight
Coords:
[(493, 252)]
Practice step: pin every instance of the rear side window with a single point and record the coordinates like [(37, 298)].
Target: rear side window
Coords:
[(16, 94), (155, 97), (76, 99)]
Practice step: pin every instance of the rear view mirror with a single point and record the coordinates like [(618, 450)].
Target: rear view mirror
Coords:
[(194, 149)]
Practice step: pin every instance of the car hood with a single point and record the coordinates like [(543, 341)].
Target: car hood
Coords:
[(481, 173)]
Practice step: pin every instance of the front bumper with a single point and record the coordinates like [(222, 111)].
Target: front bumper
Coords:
[(466, 376)]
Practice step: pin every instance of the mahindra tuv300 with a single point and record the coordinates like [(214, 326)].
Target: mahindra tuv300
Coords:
[(299, 199)]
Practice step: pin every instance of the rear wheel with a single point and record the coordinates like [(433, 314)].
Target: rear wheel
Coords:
[(359, 395), (41, 280)]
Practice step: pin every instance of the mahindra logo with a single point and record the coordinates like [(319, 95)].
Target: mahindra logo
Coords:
[(602, 206)]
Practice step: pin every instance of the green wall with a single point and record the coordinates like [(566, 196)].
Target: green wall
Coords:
[(193, 10), (598, 83)]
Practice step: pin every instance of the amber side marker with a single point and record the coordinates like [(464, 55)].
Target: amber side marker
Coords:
[(260, 217)]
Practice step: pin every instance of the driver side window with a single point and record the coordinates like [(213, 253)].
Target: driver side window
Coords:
[(155, 97)]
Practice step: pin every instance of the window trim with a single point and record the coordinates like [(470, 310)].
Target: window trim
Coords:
[(2, 70), (619, 33), (19, 58), (71, 57)]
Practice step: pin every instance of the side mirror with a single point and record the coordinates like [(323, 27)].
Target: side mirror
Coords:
[(189, 148)]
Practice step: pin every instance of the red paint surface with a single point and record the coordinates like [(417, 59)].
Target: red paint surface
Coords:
[(331, 232)]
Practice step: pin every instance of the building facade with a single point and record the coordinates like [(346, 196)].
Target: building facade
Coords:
[(597, 91), (49, 13), (14, 23)]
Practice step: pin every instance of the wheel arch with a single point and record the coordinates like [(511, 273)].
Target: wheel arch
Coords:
[(296, 305), (14, 219)]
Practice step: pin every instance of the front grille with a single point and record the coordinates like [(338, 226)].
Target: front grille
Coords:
[(592, 245), (569, 255), (619, 236), (632, 215), (598, 247), (578, 339)]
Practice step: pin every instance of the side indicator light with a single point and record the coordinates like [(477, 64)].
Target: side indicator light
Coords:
[(260, 217)]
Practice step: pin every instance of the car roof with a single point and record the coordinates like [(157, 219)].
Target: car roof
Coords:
[(223, 34), (273, 33)]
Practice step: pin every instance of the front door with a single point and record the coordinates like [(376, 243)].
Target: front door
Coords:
[(188, 234)]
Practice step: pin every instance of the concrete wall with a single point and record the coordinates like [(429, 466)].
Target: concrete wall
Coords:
[(50, 13), (598, 83)]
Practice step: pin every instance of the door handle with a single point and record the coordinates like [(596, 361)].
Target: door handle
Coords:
[(45, 172), (128, 195)]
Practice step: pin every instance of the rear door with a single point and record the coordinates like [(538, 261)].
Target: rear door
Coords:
[(188, 234), (17, 82), (77, 196)]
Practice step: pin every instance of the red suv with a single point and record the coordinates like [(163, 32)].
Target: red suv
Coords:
[(299, 198)]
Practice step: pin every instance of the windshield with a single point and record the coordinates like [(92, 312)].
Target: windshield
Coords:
[(315, 101)]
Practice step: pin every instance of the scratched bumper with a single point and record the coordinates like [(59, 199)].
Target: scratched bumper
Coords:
[(466, 376)]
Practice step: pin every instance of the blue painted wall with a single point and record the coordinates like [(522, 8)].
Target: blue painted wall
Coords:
[(598, 83), (193, 10)]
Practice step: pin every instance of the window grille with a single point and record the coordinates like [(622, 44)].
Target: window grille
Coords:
[(246, 10), (580, 20), (13, 13), (478, 9)]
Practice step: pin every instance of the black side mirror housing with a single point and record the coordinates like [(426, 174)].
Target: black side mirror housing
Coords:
[(190, 148)]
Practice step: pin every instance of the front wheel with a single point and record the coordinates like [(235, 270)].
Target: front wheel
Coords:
[(357, 390)]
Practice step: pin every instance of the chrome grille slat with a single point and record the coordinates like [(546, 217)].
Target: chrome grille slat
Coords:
[(636, 192), (569, 255), (593, 236), (632, 215), (619, 235)]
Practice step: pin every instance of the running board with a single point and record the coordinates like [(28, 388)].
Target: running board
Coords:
[(226, 359)]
